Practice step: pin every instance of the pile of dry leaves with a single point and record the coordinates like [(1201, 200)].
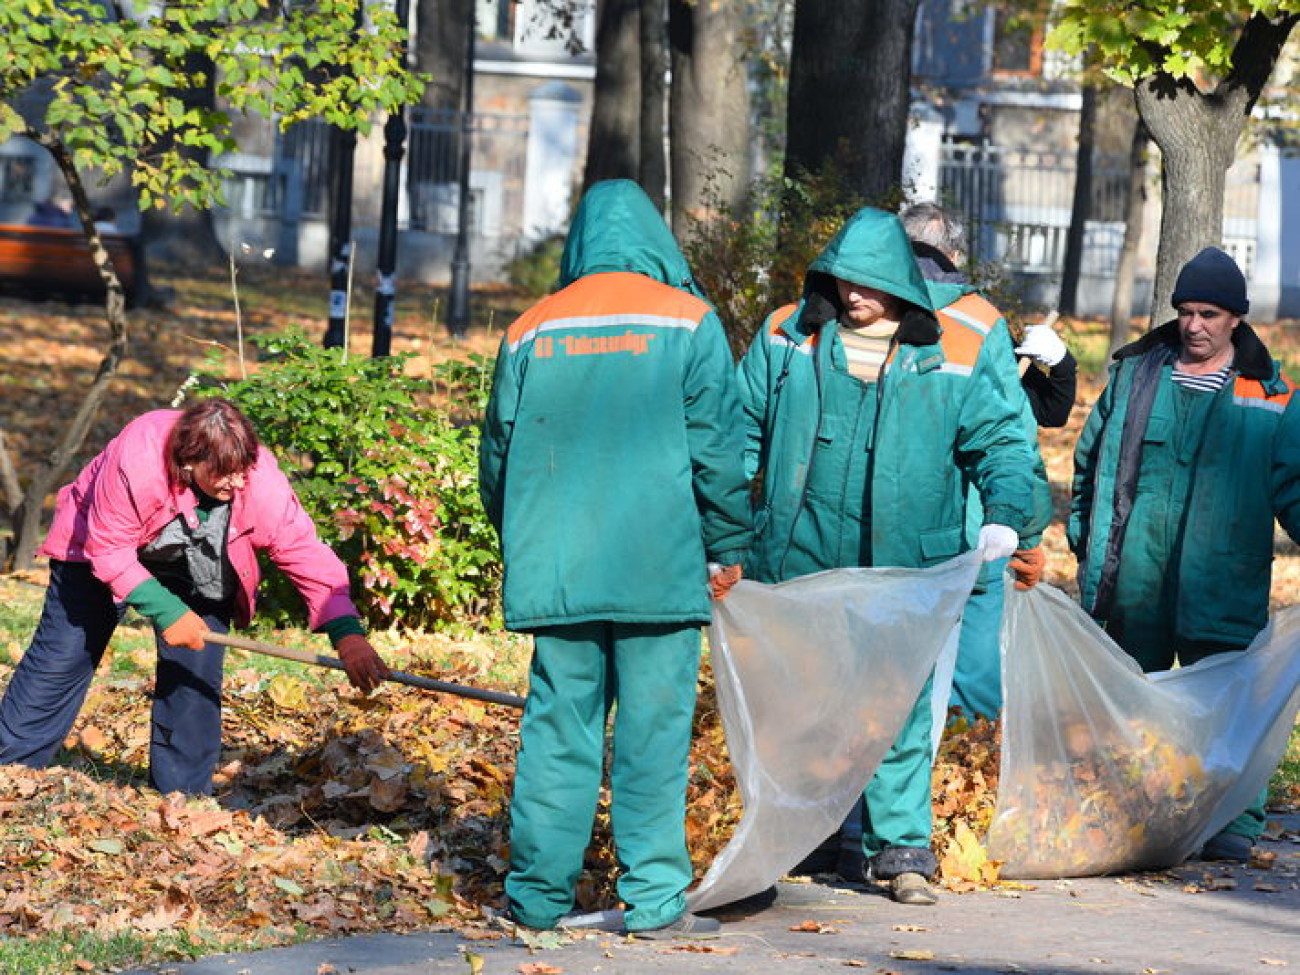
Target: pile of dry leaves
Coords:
[(337, 812)]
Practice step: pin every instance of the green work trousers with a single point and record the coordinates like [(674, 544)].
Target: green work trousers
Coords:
[(645, 673), (896, 812)]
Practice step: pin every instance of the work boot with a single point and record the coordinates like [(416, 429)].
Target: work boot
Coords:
[(852, 865), (911, 888), (820, 860), (688, 927), (1227, 846)]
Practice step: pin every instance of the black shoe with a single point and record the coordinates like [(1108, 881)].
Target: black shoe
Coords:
[(852, 866), (688, 927), (1227, 846)]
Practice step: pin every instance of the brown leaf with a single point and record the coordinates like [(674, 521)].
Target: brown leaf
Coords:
[(539, 968), (705, 949), (92, 739), (815, 927)]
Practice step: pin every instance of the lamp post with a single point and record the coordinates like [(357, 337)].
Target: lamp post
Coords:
[(386, 261), (342, 149), (458, 301)]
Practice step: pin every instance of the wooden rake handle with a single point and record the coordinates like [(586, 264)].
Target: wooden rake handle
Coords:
[(319, 660)]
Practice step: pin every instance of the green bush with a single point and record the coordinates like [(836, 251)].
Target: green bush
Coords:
[(390, 480), (536, 271)]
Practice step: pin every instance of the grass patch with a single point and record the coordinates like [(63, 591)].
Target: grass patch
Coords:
[(74, 952), (1284, 789)]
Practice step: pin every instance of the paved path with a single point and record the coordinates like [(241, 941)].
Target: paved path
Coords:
[(1201, 918)]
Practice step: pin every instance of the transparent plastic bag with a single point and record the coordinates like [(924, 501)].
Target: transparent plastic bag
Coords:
[(1105, 768), (814, 677)]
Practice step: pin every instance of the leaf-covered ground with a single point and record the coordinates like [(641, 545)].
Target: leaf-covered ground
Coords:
[(334, 813)]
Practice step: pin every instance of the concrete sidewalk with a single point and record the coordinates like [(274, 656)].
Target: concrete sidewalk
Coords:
[(1200, 918)]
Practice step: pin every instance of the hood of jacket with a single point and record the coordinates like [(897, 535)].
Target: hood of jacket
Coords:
[(617, 228), (871, 249)]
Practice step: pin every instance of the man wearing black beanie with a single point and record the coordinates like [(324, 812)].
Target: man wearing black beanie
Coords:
[(1190, 452)]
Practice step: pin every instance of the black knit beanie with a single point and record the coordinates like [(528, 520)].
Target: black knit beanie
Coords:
[(1213, 277)]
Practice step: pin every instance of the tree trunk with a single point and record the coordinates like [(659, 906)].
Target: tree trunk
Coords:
[(1135, 199), (1081, 205), (614, 143), (849, 93), (26, 515), (1197, 140), (653, 174), (1197, 135), (440, 27), (708, 112)]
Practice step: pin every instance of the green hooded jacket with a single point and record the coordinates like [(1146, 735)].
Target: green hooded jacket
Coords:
[(611, 458), (946, 415)]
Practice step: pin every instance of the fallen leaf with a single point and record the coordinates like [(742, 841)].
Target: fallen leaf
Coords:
[(815, 927), (918, 955), (475, 963), (701, 949), (1272, 961), (539, 968), (92, 739)]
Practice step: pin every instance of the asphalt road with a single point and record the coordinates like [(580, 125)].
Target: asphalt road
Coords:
[(1200, 918)]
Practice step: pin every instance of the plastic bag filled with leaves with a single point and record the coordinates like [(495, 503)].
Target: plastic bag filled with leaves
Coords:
[(814, 677), (1105, 768)]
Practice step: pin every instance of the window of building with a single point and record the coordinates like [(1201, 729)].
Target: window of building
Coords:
[(1017, 45)]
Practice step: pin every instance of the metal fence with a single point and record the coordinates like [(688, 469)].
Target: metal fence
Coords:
[(1017, 203), (295, 183)]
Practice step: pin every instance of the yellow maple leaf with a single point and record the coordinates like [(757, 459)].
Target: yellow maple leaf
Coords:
[(287, 692)]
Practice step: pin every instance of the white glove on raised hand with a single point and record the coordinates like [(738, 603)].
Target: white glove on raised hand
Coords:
[(1042, 344), (998, 542)]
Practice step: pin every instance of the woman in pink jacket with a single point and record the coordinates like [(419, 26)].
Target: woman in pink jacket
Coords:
[(169, 519)]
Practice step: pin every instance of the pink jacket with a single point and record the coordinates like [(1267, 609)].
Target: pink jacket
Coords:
[(121, 500)]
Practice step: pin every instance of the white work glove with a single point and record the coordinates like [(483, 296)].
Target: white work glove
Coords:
[(998, 542), (1042, 344)]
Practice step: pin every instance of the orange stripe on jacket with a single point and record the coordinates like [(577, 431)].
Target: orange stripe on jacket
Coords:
[(777, 333), (1253, 389), (609, 293), (961, 340)]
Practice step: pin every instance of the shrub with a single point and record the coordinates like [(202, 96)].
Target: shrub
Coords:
[(751, 259), (390, 480), (536, 271)]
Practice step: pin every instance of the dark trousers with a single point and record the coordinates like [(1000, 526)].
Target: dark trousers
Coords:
[(49, 685)]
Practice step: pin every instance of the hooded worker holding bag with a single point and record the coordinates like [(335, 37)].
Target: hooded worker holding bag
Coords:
[(611, 464), (867, 417)]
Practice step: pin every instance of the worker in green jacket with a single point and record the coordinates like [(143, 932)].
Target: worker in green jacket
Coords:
[(939, 245), (865, 420), (612, 465), (1191, 452)]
